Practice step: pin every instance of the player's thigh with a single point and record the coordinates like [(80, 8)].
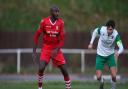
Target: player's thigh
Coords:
[(59, 59), (100, 61), (111, 61)]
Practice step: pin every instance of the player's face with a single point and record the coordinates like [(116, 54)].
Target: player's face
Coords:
[(110, 30), (55, 13)]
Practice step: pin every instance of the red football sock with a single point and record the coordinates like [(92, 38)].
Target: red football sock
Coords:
[(67, 82), (40, 79)]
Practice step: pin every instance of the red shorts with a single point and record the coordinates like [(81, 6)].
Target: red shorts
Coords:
[(46, 56)]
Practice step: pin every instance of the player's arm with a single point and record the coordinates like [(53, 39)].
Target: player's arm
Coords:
[(120, 45), (94, 34), (37, 35)]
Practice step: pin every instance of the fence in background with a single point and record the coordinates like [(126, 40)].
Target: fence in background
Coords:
[(82, 52)]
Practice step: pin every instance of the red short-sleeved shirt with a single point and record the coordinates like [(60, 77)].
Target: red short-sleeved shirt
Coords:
[(53, 33)]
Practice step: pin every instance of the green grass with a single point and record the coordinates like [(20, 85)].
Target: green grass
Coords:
[(57, 85)]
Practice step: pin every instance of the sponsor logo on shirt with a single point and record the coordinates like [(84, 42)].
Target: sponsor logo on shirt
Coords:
[(52, 33)]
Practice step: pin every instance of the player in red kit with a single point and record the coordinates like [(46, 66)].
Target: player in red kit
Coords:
[(52, 28)]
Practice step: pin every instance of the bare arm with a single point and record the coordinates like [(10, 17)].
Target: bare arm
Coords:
[(120, 45), (36, 37), (94, 34)]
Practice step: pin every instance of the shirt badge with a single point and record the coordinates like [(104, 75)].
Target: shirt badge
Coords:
[(57, 27), (112, 37)]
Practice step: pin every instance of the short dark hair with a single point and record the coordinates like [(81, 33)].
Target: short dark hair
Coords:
[(110, 23)]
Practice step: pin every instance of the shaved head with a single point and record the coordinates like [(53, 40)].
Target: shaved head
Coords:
[(54, 8)]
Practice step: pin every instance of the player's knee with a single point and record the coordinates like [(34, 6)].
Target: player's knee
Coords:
[(65, 73), (42, 68), (98, 75), (98, 78), (114, 79), (64, 70), (42, 65), (113, 74)]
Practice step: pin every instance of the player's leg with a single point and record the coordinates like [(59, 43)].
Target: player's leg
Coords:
[(100, 61), (113, 76), (65, 75), (116, 61), (112, 64), (59, 61), (100, 78), (44, 60), (40, 76)]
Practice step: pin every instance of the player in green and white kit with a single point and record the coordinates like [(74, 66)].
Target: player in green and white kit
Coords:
[(108, 37)]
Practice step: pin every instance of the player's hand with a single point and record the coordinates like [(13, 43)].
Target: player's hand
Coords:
[(54, 52), (34, 52), (34, 59), (116, 55), (90, 46), (34, 56)]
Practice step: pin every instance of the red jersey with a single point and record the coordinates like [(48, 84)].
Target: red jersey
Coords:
[(53, 33)]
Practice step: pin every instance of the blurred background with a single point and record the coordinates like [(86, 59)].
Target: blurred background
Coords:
[(19, 19)]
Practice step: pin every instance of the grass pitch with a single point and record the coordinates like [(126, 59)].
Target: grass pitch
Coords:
[(56, 85)]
